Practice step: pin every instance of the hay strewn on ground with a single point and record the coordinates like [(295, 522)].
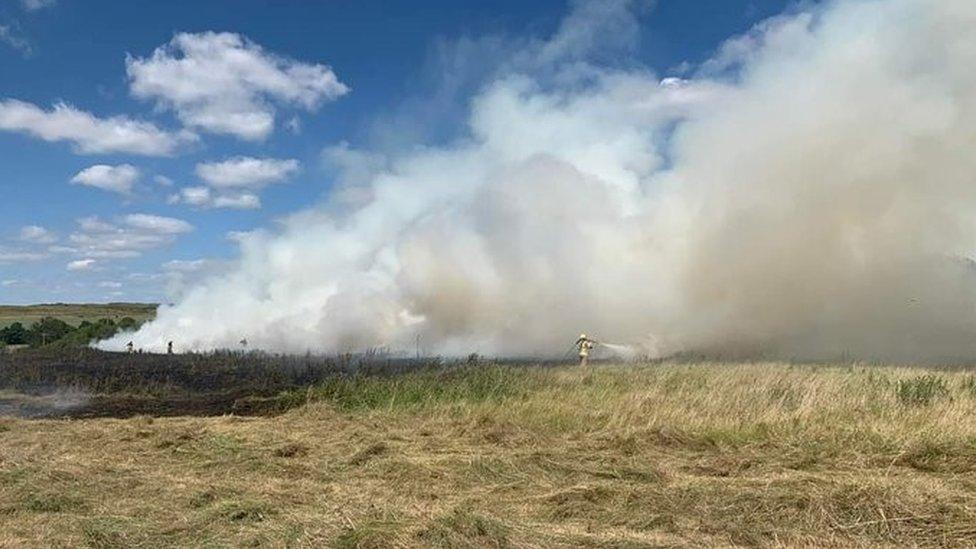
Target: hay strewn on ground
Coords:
[(618, 456)]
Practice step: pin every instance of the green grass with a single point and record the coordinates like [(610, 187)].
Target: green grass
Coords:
[(922, 390), (421, 389)]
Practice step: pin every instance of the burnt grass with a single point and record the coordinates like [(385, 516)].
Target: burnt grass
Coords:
[(84, 383)]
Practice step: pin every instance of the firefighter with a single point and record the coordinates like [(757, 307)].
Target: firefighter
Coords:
[(129, 347), (583, 345), (169, 348)]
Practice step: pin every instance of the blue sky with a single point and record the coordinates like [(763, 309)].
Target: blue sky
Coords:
[(122, 170)]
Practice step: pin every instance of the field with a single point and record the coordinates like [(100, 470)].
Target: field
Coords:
[(381, 454), (74, 314)]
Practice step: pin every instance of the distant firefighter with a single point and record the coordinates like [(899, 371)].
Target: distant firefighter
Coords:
[(129, 347), (583, 345), (244, 342), (169, 348)]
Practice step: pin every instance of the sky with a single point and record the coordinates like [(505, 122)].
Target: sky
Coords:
[(138, 139)]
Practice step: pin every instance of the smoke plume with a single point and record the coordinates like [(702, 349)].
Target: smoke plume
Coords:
[(808, 191)]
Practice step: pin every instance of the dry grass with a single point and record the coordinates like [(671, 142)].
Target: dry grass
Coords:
[(628, 456)]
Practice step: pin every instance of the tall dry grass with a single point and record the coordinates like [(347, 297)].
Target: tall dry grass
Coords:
[(630, 455), (870, 409)]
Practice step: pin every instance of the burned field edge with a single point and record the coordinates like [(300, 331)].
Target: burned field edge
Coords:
[(88, 383), (80, 383)]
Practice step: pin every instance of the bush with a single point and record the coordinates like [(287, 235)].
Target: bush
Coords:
[(47, 330), (127, 324), (55, 333), (87, 332), (921, 390), (15, 334)]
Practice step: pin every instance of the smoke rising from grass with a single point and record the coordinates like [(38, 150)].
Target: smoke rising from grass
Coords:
[(42, 402), (809, 191)]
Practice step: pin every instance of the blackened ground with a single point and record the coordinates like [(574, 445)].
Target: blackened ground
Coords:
[(84, 383)]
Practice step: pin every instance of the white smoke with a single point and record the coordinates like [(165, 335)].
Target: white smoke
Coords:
[(811, 191)]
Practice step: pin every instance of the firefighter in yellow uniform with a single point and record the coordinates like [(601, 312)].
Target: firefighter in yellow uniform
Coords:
[(584, 344)]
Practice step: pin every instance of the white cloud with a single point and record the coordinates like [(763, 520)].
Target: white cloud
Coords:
[(145, 277), (235, 182), (81, 265), (34, 5), (37, 235), (88, 133), (94, 224), (239, 236), (133, 235), (110, 284), (246, 172), (203, 197), (186, 265), (163, 181), (158, 224), (224, 83), (117, 179), (10, 35), (240, 201), (9, 282), (194, 196), (8, 256), (294, 125)]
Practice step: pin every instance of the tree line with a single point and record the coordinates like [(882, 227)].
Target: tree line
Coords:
[(53, 332)]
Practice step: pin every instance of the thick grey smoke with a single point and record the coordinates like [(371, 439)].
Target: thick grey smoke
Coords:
[(809, 191)]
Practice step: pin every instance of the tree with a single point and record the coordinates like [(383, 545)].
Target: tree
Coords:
[(103, 329), (47, 330), (128, 324), (86, 333), (15, 334)]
